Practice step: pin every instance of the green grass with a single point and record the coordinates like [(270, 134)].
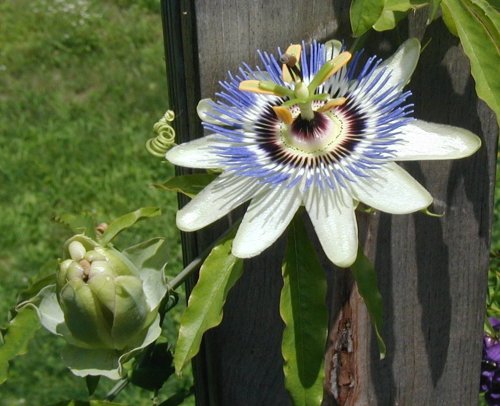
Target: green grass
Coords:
[(82, 82)]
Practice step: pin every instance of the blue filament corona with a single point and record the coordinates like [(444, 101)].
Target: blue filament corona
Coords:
[(248, 130)]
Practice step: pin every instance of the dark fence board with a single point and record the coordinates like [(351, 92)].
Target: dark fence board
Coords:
[(432, 272)]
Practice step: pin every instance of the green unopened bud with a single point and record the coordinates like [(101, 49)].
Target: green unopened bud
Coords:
[(93, 255), (76, 250), (100, 267), (75, 271), (83, 315), (63, 272), (102, 296)]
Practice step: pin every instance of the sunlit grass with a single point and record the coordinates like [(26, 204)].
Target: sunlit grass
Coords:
[(82, 82)]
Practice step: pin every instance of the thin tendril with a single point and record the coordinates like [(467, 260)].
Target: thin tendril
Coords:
[(165, 139)]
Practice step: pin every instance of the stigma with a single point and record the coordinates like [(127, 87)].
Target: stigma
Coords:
[(300, 94)]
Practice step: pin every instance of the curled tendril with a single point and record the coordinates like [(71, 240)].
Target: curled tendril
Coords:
[(165, 139)]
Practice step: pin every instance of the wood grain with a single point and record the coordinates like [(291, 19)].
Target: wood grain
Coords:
[(432, 272)]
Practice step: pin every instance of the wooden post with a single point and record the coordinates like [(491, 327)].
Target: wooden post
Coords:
[(432, 271)]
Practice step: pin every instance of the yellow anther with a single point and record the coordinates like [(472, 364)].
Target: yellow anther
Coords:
[(253, 86), (265, 87), (340, 61), (339, 101), (329, 68), (294, 51), (283, 114)]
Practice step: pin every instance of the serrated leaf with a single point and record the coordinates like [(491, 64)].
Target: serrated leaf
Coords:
[(218, 274), (364, 14), (366, 280), (20, 332), (189, 185), (477, 23), (126, 221), (303, 310)]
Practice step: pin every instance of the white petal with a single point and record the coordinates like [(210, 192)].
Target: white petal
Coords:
[(332, 49), (422, 140), (207, 112), (392, 190), (333, 218), (220, 197), (401, 64), (266, 219), (196, 154)]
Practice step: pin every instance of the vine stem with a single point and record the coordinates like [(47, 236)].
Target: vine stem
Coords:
[(113, 393), (194, 265)]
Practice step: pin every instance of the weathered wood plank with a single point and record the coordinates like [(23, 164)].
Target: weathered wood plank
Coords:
[(432, 272), (247, 362)]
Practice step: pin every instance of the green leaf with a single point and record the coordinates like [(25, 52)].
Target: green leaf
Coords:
[(488, 328), (154, 368), (433, 12), (21, 331), (126, 221), (303, 310), (151, 254), (366, 279), (178, 398), (218, 274), (404, 5), (388, 20), (45, 277), (189, 185), (394, 11), (477, 23), (150, 257), (364, 14), (92, 382)]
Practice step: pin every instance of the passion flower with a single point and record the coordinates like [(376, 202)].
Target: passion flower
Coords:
[(318, 128)]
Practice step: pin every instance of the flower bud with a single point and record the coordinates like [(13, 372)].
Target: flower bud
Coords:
[(76, 250), (105, 303), (102, 297)]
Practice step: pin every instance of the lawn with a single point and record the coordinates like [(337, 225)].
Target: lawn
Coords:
[(82, 83)]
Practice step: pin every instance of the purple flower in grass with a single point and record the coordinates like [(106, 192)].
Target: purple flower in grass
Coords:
[(490, 367)]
